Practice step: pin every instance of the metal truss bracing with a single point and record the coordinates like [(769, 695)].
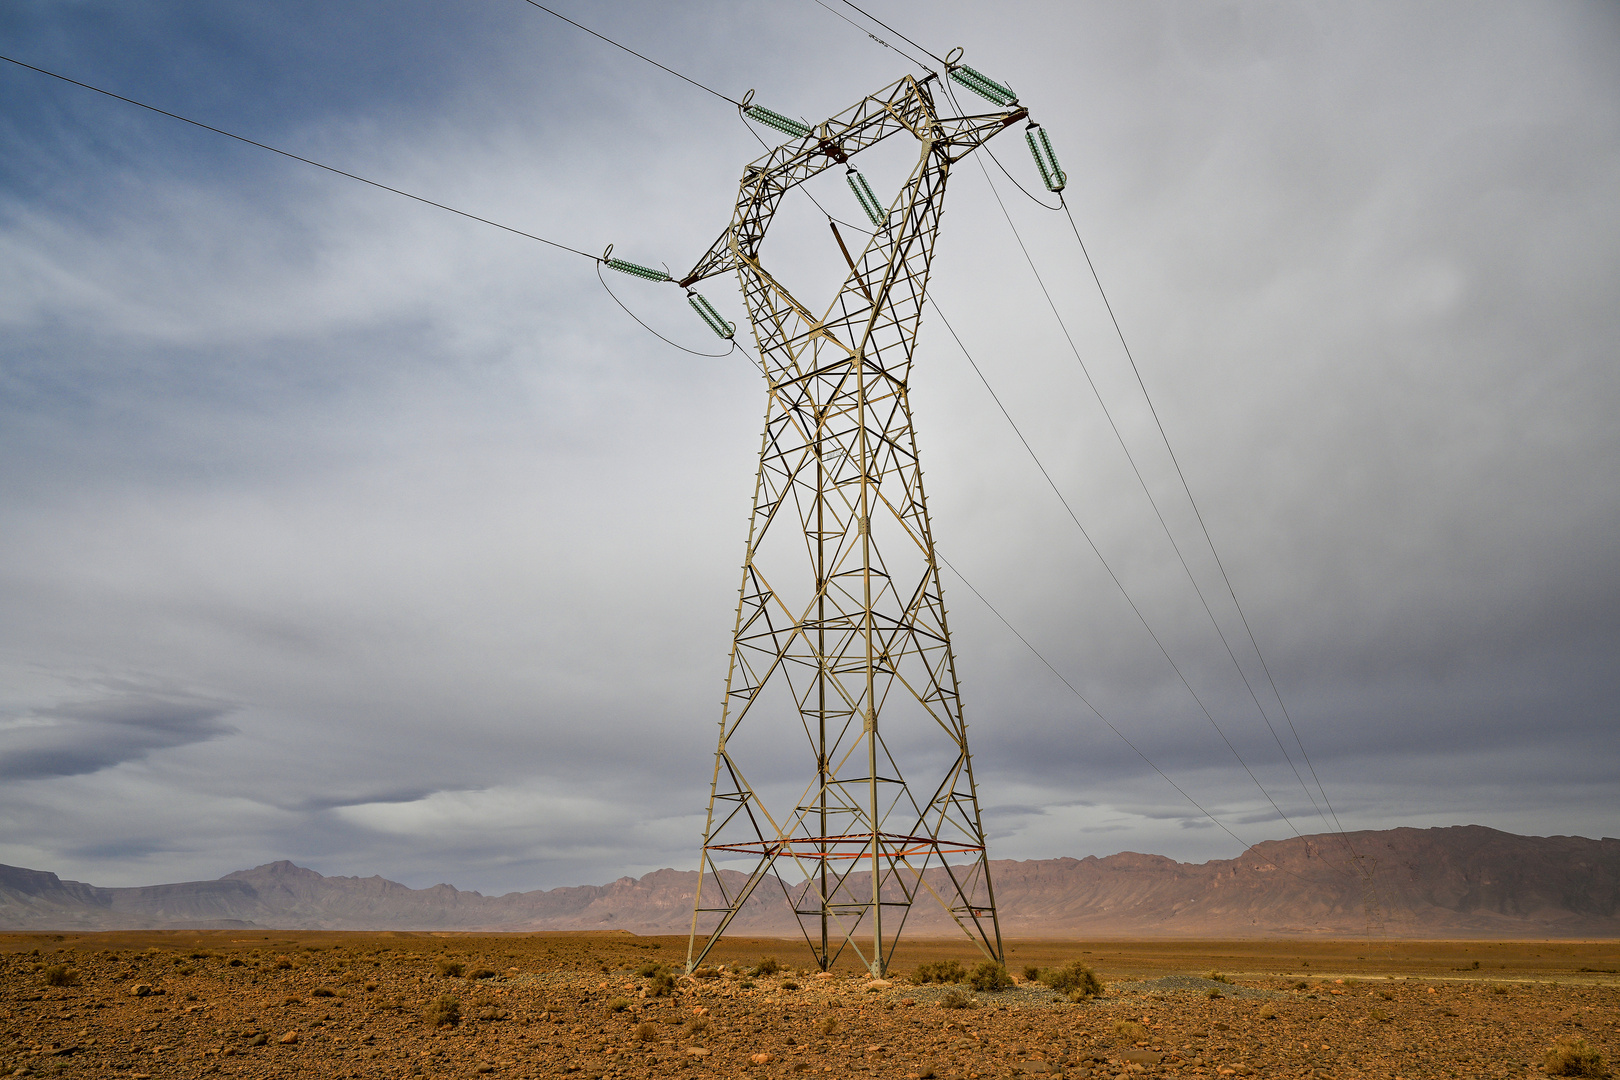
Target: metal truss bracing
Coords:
[(841, 638)]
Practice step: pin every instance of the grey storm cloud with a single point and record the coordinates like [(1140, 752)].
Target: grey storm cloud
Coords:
[(81, 737)]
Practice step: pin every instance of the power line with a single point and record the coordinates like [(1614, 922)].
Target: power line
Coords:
[(633, 52), (1064, 680), (1203, 527), (1123, 591), (649, 329), (874, 37), (895, 32), (296, 157)]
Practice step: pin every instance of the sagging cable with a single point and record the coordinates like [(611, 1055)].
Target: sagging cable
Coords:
[(1051, 175)]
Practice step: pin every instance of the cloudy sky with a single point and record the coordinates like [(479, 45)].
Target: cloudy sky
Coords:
[(340, 529)]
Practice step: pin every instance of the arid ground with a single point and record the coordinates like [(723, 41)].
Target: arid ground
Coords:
[(265, 1003)]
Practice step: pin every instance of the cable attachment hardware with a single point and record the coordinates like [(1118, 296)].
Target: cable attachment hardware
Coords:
[(786, 125), (864, 196), (633, 269), (983, 85), (706, 312), (1053, 176)]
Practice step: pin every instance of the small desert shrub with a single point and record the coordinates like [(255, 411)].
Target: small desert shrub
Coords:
[(321, 991), (187, 970), (1570, 1056), (283, 963), (1130, 1030), (235, 961), (645, 1033), (1379, 1015), (790, 985), (650, 968), (768, 966), (481, 973), (451, 968), (1032, 973), (827, 1025), (1075, 979), (955, 999), (1216, 976), (1498, 988), (1387, 995), (1214, 992), (1302, 985), (706, 973), (747, 984), (989, 977), (61, 975), (619, 1004), (661, 984), (941, 971), (697, 1025), (445, 1012)]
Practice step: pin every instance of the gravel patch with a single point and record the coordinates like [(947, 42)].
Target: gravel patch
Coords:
[(1190, 984)]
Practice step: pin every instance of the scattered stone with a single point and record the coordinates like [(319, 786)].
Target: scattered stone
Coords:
[(697, 1051), (289, 1039), (1141, 1057), (140, 990), (762, 1059)]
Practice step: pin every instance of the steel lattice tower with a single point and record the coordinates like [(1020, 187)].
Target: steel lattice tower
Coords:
[(841, 635)]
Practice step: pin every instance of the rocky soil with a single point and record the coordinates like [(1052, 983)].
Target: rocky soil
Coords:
[(380, 1005)]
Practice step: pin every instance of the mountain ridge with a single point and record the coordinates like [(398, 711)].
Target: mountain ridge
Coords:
[(1456, 881)]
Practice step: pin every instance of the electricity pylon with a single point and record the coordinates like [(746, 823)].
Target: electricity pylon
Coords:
[(841, 635)]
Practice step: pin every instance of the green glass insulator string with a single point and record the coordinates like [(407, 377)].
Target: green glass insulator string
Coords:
[(1045, 158), (709, 315), (983, 85)]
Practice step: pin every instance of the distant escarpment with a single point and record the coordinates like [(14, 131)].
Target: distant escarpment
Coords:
[(1461, 882)]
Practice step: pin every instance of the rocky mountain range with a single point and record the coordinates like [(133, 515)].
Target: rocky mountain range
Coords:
[(1461, 882)]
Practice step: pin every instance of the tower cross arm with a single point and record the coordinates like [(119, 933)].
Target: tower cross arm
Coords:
[(906, 105)]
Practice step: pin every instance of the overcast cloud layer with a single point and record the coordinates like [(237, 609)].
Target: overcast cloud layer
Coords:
[(340, 529)]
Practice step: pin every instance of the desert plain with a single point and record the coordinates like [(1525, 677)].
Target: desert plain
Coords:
[(257, 1003)]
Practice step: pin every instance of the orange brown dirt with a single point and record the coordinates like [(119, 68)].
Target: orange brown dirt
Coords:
[(330, 1004)]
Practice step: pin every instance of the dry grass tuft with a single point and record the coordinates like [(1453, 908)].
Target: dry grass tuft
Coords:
[(955, 999), (1571, 1056), (941, 971), (61, 975), (989, 977), (1075, 979), (827, 1025), (1216, 976), (1130, 1030), (697, 1026), (452, 968), (768, 966), (645, 1032), (446, 1012), (619, 1004)]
